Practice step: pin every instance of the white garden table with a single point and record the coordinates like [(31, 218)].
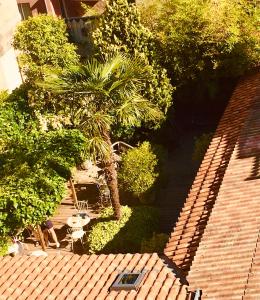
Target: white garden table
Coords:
[(78, 222)]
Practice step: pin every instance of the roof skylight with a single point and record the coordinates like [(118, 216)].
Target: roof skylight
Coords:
[(128, 281)]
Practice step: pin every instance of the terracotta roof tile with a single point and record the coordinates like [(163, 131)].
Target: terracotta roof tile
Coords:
[(85, 277), (217, 236)]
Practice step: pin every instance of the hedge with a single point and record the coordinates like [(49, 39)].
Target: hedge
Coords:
[(126, 235)]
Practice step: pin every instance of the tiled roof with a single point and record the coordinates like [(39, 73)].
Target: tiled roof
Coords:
[(86, 277), (217, 234)]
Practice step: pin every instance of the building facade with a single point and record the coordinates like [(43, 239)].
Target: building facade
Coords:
[(10, 76), (62, 8)]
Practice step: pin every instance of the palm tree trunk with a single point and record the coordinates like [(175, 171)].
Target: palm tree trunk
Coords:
[(111, 178)]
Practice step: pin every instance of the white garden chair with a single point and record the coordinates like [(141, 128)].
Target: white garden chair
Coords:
[(74, 235), (81, 206)]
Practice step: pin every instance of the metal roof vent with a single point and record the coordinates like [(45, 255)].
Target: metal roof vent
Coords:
[(128, 281)]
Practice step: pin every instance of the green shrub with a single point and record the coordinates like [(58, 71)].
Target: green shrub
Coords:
[(105, 230), (155, 244), (137, 173), (124, 235), (43, 42), (201, 144)]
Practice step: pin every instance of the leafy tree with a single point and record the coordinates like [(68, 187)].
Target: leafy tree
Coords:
[(137, 173), (100, 95), (120, 30), (43, 42), (34, 165), (205, 38)]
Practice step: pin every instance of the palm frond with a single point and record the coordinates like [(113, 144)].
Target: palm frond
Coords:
[(98, 94), (131, 74), (61, 81), (92, 69), (111, 66), (97, 148), (137, 109), (94, 124)]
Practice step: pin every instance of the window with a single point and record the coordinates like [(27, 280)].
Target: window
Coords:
[(128, 281), (25, 10)]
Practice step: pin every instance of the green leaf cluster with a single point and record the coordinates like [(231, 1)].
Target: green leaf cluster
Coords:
[(34, 164), (5, 242), (201, 39), (43, 42), (120, 30), (124, 235), (137, 173)]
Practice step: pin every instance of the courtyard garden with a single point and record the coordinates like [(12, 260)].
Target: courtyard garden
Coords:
[(157, 78)]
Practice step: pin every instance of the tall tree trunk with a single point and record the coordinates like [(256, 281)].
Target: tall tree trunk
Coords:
[(111, 177)]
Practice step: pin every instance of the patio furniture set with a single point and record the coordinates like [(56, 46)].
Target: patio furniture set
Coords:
[(77, 222)]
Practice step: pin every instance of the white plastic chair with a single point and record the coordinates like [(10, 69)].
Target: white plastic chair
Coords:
[(81, 206), (75, 234)]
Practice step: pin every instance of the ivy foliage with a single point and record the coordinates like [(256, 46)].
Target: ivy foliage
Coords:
[(124, 235), (43, 42), (202, 39), (34, 164), (120, 30), (137, 173)]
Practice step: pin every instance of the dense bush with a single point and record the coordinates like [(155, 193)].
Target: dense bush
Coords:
[(43, 42), (125, 235), (201, 144), (155, 244), (106, 229), (137, 172)]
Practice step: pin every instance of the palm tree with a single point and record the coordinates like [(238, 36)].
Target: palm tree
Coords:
[(99, 95)]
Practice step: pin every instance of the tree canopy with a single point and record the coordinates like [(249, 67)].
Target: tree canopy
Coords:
[(34, 164), (43, 42), (100, 95), (205, 38), (120, 30)]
